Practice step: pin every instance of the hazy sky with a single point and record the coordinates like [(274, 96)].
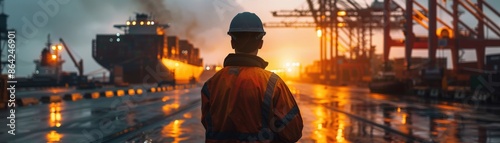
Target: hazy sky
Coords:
[(203, 22)]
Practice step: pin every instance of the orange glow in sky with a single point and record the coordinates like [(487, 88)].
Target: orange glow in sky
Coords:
[(282, 45)]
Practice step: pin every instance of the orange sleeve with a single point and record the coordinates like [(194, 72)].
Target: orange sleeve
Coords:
[(286, 118), (205, 107)]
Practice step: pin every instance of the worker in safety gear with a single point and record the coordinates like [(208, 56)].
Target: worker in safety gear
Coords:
[(243, 102)]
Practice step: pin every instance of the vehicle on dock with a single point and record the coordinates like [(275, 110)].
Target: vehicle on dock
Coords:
[(144, 53), (387, 83)]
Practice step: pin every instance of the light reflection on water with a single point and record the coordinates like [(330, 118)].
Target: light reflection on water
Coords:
[(53, 136), (320, 132), (55, 116), (442, 123), (340, 138), (169, 107), (329, 126), (174, 131)]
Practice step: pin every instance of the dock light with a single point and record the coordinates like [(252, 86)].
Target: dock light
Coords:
[(54, 56), (341, 24), (142, 22), (133, 23), (149, 23), (341, 13), (152, 23), (59, 47), (319, 32), (53, 47), (128, 22)]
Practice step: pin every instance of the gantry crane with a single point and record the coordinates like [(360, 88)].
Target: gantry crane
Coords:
[(455, 37), (339, 19), (83, 82)]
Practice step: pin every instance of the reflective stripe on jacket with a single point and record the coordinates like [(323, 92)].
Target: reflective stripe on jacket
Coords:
[(249, 104)]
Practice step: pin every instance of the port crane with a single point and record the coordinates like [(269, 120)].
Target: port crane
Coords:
[(83, 82), (79, 64), (341, 24)]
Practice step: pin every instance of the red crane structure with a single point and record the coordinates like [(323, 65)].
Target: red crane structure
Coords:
[(341, 24), (346, 24)]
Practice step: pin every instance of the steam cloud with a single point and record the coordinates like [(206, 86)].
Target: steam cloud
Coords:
[(203, 22)]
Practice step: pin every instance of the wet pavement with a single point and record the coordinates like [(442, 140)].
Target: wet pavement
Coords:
[(398, 118), (330, 114)]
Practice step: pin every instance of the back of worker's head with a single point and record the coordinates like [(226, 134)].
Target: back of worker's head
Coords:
[(246, 31)]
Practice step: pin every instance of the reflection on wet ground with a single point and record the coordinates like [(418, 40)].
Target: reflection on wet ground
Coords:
[(53, 136), (381, 118), (174, 131), (55, 115), (330, 114), (350, 114), (185, 127)]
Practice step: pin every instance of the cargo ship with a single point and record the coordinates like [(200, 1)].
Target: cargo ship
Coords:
[(144, 53), (387, 83)]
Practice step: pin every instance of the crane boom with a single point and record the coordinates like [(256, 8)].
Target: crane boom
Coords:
[(78, 65)]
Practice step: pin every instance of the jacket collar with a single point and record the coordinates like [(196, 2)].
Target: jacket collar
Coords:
[(245, 60)]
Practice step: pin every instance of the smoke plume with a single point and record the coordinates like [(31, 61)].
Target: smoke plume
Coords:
[(203, 22)]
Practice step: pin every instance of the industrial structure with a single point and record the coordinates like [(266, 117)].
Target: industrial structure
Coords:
[(342, 25), (348, 26), (48, 69)]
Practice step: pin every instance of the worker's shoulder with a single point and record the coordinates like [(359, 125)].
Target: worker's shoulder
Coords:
[(255, 70), (242, 70)]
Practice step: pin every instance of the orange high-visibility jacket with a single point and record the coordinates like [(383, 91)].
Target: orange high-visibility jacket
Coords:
[(249, 104)]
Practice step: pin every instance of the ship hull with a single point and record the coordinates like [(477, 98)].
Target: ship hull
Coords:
[(183, 72), (140, 59)]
